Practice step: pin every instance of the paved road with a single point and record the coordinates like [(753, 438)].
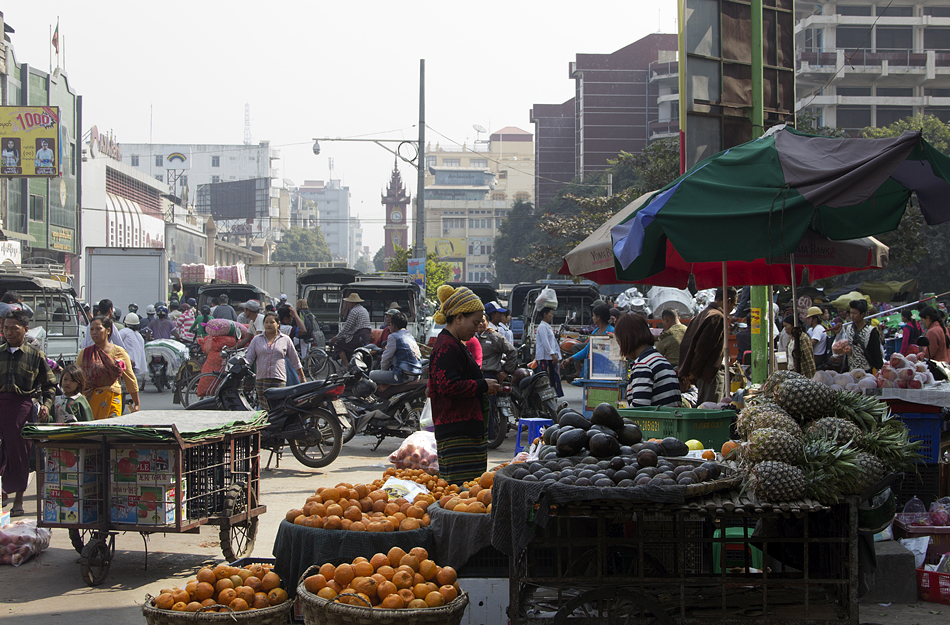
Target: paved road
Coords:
[(48, 589)]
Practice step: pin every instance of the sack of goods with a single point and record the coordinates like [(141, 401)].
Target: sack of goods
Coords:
[(546, 299)]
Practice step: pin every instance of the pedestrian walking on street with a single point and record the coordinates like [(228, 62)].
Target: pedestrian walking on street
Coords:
[(24, 373), (546, 350), (106, 366), (269, 350)]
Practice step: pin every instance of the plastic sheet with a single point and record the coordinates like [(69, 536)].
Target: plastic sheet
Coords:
[(22, 540)]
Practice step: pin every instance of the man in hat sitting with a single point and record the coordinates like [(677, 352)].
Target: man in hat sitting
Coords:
[(387, 330), (356, 330)]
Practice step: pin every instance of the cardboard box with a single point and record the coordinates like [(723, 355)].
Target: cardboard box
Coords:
[(71, 504), (128, 464), (4, 518), (146, 505), (73, 466)]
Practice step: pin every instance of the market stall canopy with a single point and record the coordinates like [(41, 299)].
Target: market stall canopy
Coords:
[(758, 200), (893, 291)]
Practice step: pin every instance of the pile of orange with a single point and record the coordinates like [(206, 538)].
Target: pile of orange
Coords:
[(253, 587), (477, 499), (436, 485), (358, 508), (392, 581)]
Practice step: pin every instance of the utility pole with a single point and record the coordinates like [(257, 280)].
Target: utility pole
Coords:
[(420, 246), (761, 307)]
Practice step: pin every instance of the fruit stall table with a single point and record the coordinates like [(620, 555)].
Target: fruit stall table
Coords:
[(663, 558), (149, 472)]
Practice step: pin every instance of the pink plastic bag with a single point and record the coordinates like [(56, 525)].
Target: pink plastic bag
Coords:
[(418, 451)]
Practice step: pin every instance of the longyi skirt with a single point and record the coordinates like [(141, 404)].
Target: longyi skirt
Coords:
[(462, 458)]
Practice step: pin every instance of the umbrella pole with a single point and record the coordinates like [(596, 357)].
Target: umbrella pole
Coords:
[(771, 320), (727, 391), (794, 292)]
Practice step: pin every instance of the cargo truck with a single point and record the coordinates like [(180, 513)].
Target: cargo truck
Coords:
[(126, 275)]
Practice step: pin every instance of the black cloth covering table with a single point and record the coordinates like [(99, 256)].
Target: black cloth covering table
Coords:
[(458, 535), (297, 548)]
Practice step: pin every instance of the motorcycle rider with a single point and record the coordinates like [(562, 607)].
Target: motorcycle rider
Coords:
[(499, 359), (149, 318), (401, 360), (198, 326), (356, 330), (162, 327), (135, 346)]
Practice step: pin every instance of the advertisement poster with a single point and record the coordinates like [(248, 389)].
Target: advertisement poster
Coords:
[(605, 358), (29, 141), (417, 270), (446, 247)]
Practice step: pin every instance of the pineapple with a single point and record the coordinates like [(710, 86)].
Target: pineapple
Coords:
[(840, 430), (768, 389), (758, 416), (831, 470), (772, 444), (805, 399), (871, 471), (777, 481)]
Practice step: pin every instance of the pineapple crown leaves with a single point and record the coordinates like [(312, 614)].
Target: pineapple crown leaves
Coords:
[(831, 469)]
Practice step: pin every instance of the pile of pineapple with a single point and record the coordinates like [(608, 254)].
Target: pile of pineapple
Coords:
[(803, 439)]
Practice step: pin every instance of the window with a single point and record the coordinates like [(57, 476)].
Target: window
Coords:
[(135, 161), (859, 10), (498, 196), (887, 115), (478, 162), (854, 91), (503, 174), (854, 116), (451, 162), (158, 160), (479, 248), (431, 161), (183, 181), (891, 38), (937, 11), (937, 38), (216, 161), (160, 177), (484, 224), (215, 179), (852, 37), (522, 196), (37, 207), (896, 92), (453, 223), (938, 93), (894, 11)]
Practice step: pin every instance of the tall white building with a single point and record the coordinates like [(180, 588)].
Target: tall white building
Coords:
[(333, 215), (871, 63)]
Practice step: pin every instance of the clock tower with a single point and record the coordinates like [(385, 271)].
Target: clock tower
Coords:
[(396, 202)]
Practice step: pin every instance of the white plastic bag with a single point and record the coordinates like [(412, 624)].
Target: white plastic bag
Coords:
[(546, 299), (406, 489), (418, 451), (21, 540), (918, 547), (425, 421)]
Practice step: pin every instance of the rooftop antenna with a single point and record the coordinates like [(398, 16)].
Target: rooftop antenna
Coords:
[(331, 167), (478, 130), (247, 124)]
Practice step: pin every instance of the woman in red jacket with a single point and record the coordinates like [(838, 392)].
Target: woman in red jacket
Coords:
[(457, 389)]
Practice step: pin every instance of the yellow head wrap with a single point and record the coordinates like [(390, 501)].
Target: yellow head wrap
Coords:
[(455, 301)]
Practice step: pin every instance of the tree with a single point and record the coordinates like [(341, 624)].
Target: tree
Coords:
[(518, 231), (651, 169), (363, 265), (437, 272), (302, 245), (379, 259)]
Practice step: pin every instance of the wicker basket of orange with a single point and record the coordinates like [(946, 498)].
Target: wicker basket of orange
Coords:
[(394, 587)]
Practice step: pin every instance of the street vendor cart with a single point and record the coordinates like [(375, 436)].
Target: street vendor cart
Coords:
[(149, 472)]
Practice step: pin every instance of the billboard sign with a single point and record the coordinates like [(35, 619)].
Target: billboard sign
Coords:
[(417, 270), (240, 199), (177, 157), (29, 141), (446, 247)]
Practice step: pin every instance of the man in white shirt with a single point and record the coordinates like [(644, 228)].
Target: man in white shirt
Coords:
[(495, 314), (44, 156), (818, 335), (135, 346)]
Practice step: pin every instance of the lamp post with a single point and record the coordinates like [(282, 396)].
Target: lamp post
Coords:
[(418, 161)]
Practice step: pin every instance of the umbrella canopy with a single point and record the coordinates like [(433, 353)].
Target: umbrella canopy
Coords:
[(757, 200), (823, 258)]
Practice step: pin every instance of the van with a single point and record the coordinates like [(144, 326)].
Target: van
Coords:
[(59, 321), (379, 291), (322, 288)]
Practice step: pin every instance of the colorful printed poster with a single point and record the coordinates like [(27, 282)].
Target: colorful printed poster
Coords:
[(29, 141)]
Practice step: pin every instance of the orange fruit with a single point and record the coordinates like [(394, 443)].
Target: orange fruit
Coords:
[(222, 570), (449, 593), (330, 494), (461, 508), (447, 575), (270, 580), (276, 596), (386, 571), (450, 504), (333, 523), (246, 593), (415, 512), (416, 604), (417, 578), (362, 490), (709, 454), (237, 580), (315, 583), (406, 594), (365, 585), (477, 507), (292, 514), (378, 560), (335, 509), (408, 525), (395, 555), (190, 588), (357, 526), (164, 601), (487, 479), (207, 575), (240, 605), (344, 574), (260, 601), (420, 591), (363, 569), (385, 588), (379, 505), (180, 595), (226, 596), (411, 561), (388, 525), (484, 497), (345, 524), (402, 579), (354, 513), (244, 574), (434, 599), (203, 591), (327, 570), (474, 490), (326, 593), (256, 569), (392, 602), (729, 449), (332, 583), (221, 584), (207, 603), (180, 606), (428, 569)]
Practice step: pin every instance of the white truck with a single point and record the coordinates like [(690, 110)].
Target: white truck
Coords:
[(126, 275), (275, 278)]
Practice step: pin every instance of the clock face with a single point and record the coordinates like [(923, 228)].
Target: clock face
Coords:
[(396, 216)]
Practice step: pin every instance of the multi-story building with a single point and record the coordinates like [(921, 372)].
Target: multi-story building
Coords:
[(870, 63), (333, 215), (469, 192), (620, 104), (40, 215)]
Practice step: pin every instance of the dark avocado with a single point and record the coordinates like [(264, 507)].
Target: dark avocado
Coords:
[(603, 446), (575, 420), (605, 414), (569, 443), (674, 447), (630, 435)]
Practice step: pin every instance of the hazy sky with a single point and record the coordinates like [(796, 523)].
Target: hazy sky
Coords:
[(320, 68)]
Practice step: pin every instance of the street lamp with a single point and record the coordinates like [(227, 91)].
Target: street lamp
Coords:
[(418, 161)]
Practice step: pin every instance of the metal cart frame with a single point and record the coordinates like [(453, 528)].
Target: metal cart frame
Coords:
[(212, 482)]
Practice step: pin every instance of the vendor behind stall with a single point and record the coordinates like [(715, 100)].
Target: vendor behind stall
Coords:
[(865, 339), (653, 380), (602, 326), (939, 347)]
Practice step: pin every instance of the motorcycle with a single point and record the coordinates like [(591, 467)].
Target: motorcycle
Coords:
[(162, 356), (308, 417), (504, 416), (528, 396), (394, 411)]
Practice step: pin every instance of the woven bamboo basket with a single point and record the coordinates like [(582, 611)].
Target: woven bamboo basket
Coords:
[(274, 615), (319, 611)]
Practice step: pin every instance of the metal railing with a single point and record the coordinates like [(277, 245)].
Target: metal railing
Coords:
[(868, 58)]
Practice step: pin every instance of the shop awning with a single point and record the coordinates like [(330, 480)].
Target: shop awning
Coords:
[(12, 234)]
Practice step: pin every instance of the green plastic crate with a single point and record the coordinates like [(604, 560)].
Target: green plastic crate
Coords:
[(711, 427)]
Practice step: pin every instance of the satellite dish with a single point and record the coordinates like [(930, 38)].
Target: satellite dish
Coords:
[(479, 128)]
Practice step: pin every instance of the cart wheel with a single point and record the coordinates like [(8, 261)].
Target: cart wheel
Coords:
[(613, 606), (323, 440), (95, 561), (79, 539), (237, 541)]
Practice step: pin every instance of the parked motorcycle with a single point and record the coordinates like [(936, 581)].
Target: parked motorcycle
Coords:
[(504, 416), (308, 417), (394, 411)]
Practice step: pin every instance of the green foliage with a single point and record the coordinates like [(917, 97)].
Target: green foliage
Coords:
[(437, 272), (516, 234), (653, 168), (302, 245), (379, 259), (806, 121), (363, 265), (933, 130)]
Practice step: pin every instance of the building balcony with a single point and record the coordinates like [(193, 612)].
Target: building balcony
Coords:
[(664, 72), (826, 21), (664, 129), (830, 60)]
